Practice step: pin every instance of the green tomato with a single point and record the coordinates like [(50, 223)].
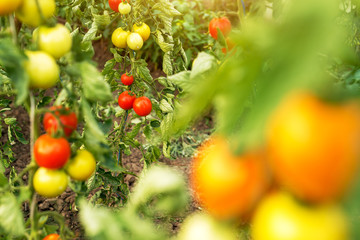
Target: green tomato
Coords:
[(135, 41), (42, 69), (281, 217), (56, 41), (50, 183), (82, 166), (124, 8), (28, 12)]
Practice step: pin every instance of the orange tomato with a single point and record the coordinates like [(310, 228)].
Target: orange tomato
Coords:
[(52, 236), (225, 184), (9, 6), (313, 146)]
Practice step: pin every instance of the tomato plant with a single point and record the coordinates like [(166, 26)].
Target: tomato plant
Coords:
[(51, 152), (28, 11), (82, 166), (281, 217), (60, 117), (312, 143), (53, 236), (223, 24), (127, 79), (9, 6), (50, 183), (126, 100), (55, 41), (142, 106)]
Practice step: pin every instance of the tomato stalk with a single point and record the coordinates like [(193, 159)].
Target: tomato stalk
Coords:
[(13, 28), (122, 132), (40, 12), (241, 9)]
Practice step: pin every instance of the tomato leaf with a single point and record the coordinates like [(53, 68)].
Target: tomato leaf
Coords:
[(11, 218)]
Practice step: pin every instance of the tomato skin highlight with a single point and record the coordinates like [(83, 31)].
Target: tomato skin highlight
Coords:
[(82, 166), (134, 41), (222, 23), (127, 80), (28, 12), (53, 236), (49, 182), (67, 118), (226, 185), (142, 106), (126, 100), (280, 216), (52, 153), (114, 4), (119, 38), (9, 6), (142, 29), (312, 144)]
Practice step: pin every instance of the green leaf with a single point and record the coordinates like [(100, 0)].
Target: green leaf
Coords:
[(202, 66), (167, 64), (134, 132), (11, 218), (144, 73), (91, 33), (182, 79), (165, 106)]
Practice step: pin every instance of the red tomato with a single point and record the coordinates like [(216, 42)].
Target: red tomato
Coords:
[(52, 236), (51, 152), (127, 80), (142, 106), (67, 118), (126, 100), (114, 5), (223, 24)]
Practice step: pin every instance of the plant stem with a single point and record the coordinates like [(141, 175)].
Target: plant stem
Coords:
[(241, 9), (122, 136), (13, 28)]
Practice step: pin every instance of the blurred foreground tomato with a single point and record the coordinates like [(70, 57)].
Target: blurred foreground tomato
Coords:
[(9, 6), (29, 14), (313, 146), (52, 236), (280, 216), (67, 118), (225, 184)]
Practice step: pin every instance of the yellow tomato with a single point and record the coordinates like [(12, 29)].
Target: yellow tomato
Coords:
[(9, 6), (119, 38), (29, 14), (56, 41), (134, 41), (281, 217), (82, 166), (50, 183), (124, 8), (42, 69), (143, 30)]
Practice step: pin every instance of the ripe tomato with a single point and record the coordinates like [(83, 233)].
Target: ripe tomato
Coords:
[(50, 183), (134, 41), (124, 8), (53, 236), (56, 41), (126, 100), (9, 6), (67, 118), (114, 4), (204, 226), (142, 106), (119, 38), (51, 152), (225, 184), (223, 24), (280, 217), (82, 166), (313, 144), (127, 80), (142, 29), (42, 69), (28, 11)]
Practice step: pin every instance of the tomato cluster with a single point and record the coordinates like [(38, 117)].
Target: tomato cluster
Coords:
[(312, 153), (52, 153), (134, 40), (141, 105)]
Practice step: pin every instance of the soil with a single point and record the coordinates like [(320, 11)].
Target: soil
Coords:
[(65, 203)]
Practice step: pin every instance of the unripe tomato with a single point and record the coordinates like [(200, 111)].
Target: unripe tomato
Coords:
[(82, 166), (114, 4), (50, 183), (126, 100), (28, 11), (313, 146), (223, 24), (124, 8), (281, 217), (56, 41), (203, 226), (225, 184), (134, 41), (53, 236), (142, 29), (127, 80), (51, 152), (9, 6), (142, 106), (67, 118), (119, 38), (42, 69)]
